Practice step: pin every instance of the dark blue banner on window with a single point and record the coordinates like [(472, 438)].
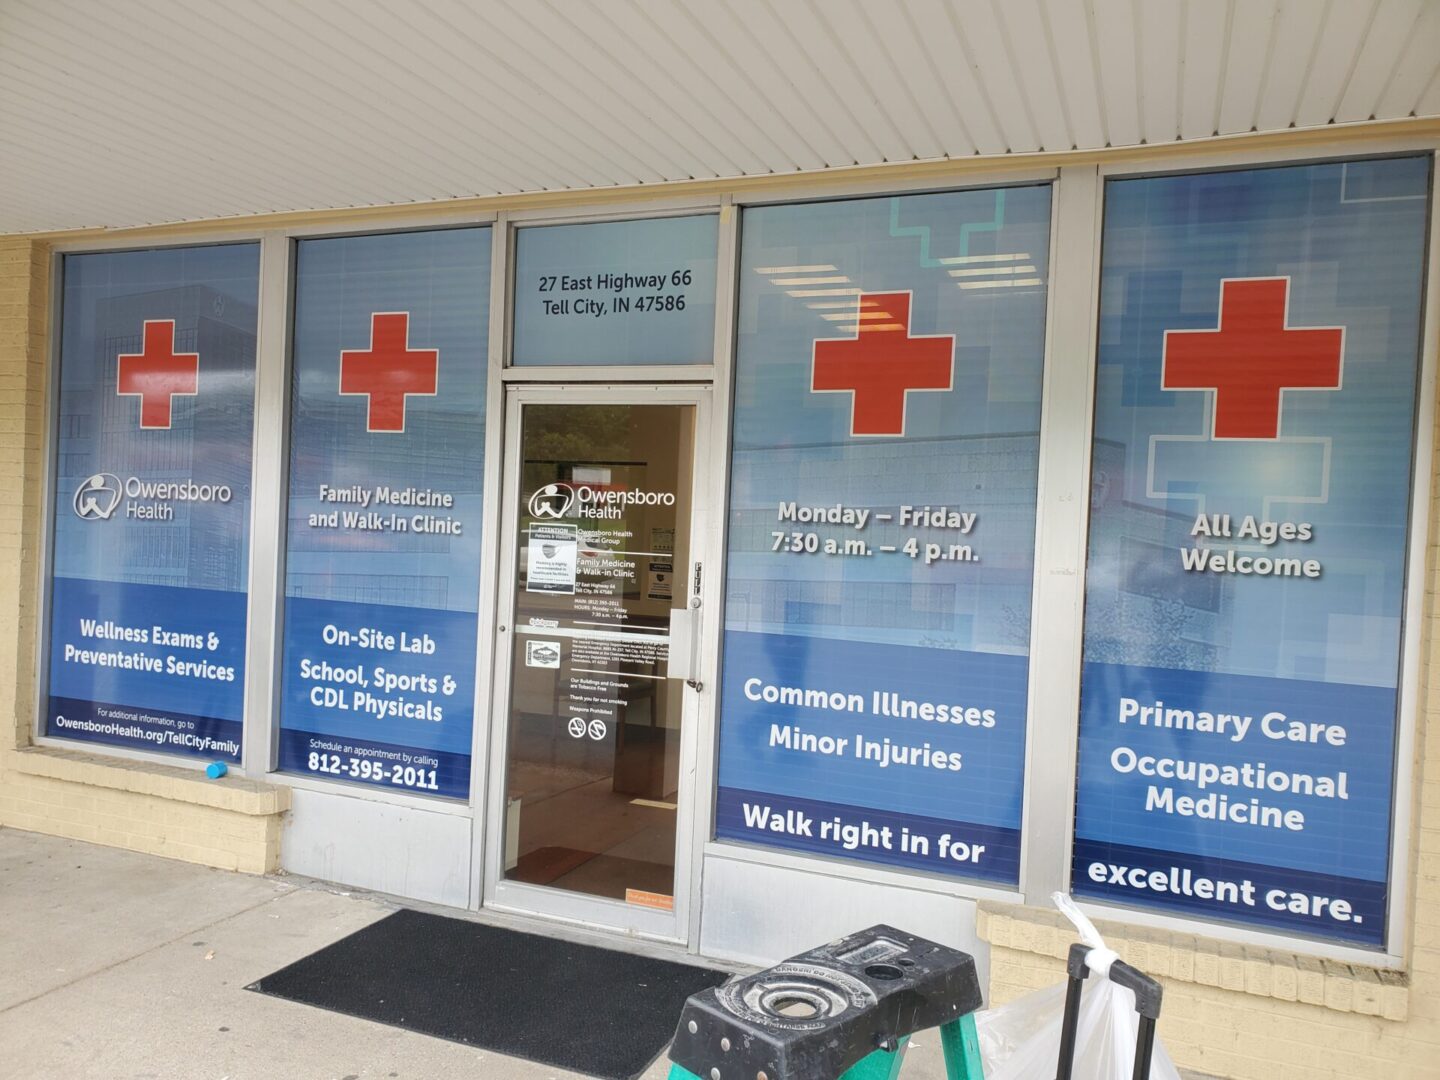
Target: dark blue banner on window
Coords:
[(152, 500), (1250, 510), (387, 438), (882, 528)]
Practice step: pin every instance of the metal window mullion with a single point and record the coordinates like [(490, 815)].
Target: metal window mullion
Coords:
[(1058, 604), (267, 506), (1417, 639), (486, 712), (49, 471), (711, 551)]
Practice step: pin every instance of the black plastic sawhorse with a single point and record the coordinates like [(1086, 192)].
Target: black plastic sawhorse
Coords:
[(845, 1010)]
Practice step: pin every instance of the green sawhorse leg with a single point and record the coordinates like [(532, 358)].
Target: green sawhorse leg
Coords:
[(958, 1040), (961, 1043)]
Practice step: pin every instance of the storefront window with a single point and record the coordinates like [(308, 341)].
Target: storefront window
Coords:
[(1250, 510), (387, 437), (882, 528), (616, 292), (152, 500)]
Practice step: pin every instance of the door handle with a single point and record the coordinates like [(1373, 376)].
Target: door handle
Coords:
[(692, 682), (684, 644)]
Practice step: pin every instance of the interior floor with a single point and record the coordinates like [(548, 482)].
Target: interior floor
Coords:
[(577, 833)]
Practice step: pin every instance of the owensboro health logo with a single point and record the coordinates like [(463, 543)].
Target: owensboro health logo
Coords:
[(555, 501), (551, 501), (99, 496)]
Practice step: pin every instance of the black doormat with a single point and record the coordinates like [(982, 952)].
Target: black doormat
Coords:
[(595, 1011)]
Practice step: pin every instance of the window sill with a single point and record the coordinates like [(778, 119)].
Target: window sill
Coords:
[(252, 798), (1259, 972)]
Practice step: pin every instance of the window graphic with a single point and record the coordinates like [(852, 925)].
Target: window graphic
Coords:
[(389, 371), (382, 570), (157, 373), (882, 527), (152, 500), (882, 364), (1250, 508)]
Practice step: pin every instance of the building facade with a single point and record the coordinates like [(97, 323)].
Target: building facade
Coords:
[(739, 564)]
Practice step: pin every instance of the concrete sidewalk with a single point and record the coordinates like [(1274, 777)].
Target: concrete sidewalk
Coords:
[(116, 965)]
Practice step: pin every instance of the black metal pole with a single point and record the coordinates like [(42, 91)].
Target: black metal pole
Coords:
[(1144, 1048), (1066, 1063)]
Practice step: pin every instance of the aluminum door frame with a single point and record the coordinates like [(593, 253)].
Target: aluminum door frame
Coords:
[(538, 900)]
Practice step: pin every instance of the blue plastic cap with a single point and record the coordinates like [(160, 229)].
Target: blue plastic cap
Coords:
[(216, 769)]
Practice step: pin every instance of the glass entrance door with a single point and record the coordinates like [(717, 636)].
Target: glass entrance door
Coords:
[(597, 718)]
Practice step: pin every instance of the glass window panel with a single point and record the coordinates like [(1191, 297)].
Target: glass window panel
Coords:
[(382, 570), (882, 528), (152, 500), (1250, 500), (616, 292)]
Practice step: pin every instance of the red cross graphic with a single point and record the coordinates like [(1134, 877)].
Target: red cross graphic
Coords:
[(1251, 356), (389, 370), (882, 363), (157, 373)]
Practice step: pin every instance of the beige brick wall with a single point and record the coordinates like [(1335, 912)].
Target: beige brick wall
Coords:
[(160, 825), (24, 310), (164, 810), (1241, 1012)]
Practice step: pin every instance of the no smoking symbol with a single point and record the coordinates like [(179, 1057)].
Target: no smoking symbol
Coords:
[(576, 727)]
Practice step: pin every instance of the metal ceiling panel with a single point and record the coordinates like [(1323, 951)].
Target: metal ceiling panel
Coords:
[(1073, 55), (1159, 36), (1119, 51), (1251, 39), (156, 111)]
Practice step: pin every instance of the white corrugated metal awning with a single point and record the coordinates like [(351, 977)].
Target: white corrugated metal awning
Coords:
[(153, 111)]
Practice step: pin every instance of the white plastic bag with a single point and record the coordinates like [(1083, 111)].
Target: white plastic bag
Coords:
[(1021, 1040)]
